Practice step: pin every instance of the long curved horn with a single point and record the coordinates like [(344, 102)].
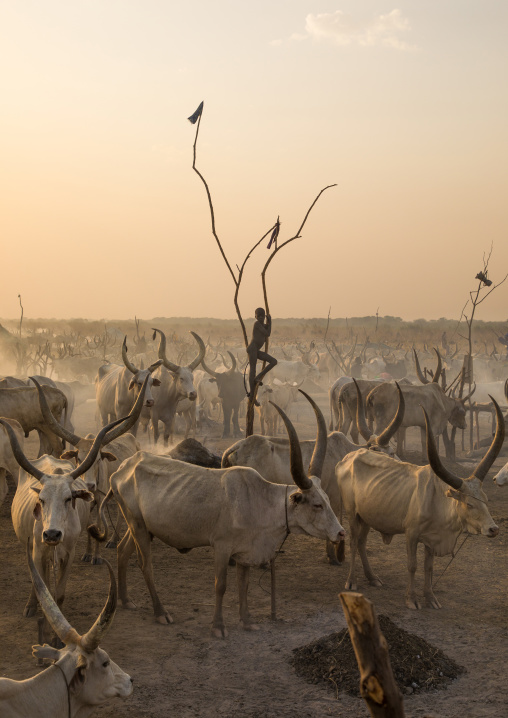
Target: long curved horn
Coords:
[(92, 638), (319, 453), (464, 399), (506, 389), (385, 436), (483, 467), (130, 366), (131, 419), (435, 462), (50, 420), (61, 626), (295, 457), (419, 372), (213, 373), (202, 351), (233, 363), (18, 452), (361, 421), (162, 351), (439, 367), (94, 449)]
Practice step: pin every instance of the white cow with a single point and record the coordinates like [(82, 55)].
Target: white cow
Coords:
[(117, 388), (85, 676), (176, 386), (234, 510), (428, 504), (270, 456), (50, 509)]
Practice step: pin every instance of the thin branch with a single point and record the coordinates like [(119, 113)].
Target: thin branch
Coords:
[(212, 214)]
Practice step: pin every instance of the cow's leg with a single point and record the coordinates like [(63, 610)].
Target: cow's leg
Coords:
[(143, 543), (87, 556), (227, 419), (411, 599), (237, 432), (430, 599), (155, 429), (400, 441), (124, 552), (362, 550), (221, 574), (3, 485), (113, 541), (242, 576), (262, 422), (353, 545), (423, 437)]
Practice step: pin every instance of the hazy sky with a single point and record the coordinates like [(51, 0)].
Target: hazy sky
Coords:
[(404, 106)]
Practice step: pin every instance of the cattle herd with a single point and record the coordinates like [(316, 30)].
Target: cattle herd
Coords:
[(262, 488)]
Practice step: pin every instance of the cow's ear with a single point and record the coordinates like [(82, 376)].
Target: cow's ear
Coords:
[(37, 511), (82, 494), (131, 384), (296, 498), (69, 454), (452, 494), (108, 456), (156, 382), (79, 676), (46, 652)]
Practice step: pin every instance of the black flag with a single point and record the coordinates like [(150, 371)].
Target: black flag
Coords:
[(196, 115), (275, 234)]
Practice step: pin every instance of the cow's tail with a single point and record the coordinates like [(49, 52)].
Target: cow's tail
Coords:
[(95, 529), (225, 463)]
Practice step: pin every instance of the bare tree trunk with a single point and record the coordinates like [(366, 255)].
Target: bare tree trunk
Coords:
[(377, 684)]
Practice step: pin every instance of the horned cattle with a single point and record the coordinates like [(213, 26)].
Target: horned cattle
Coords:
[(234, 510), (85, 676), (50, 508), (121, 445), (176, 386), (231, 393), (270, 456), (118, 387), (343, 404), (429, 504), (22, 404)]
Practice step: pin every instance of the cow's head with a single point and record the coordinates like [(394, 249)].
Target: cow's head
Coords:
[(470, 499), (140, 375), (309, 509), (57, 491), (381, 442), (182, 375), (83, 445), (91, 676), (229, 383)]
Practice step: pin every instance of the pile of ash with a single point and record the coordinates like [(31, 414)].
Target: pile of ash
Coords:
[(417, 665)]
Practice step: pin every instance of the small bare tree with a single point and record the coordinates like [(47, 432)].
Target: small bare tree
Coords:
[(237, 278), (477, 296)]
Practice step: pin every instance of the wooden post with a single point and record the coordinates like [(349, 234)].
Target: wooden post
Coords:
[(377, 684)]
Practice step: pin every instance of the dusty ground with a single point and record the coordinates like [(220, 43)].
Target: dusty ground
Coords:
[(180, 670)]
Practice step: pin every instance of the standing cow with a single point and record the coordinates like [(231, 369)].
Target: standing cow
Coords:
[(231, 394), (234, 510), (117, 388), (429, 504)]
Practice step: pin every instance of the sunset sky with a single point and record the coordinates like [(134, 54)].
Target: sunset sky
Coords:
[(404, 106)]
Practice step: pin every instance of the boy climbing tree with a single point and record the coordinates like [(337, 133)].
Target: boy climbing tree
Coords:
[(260, 333)]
